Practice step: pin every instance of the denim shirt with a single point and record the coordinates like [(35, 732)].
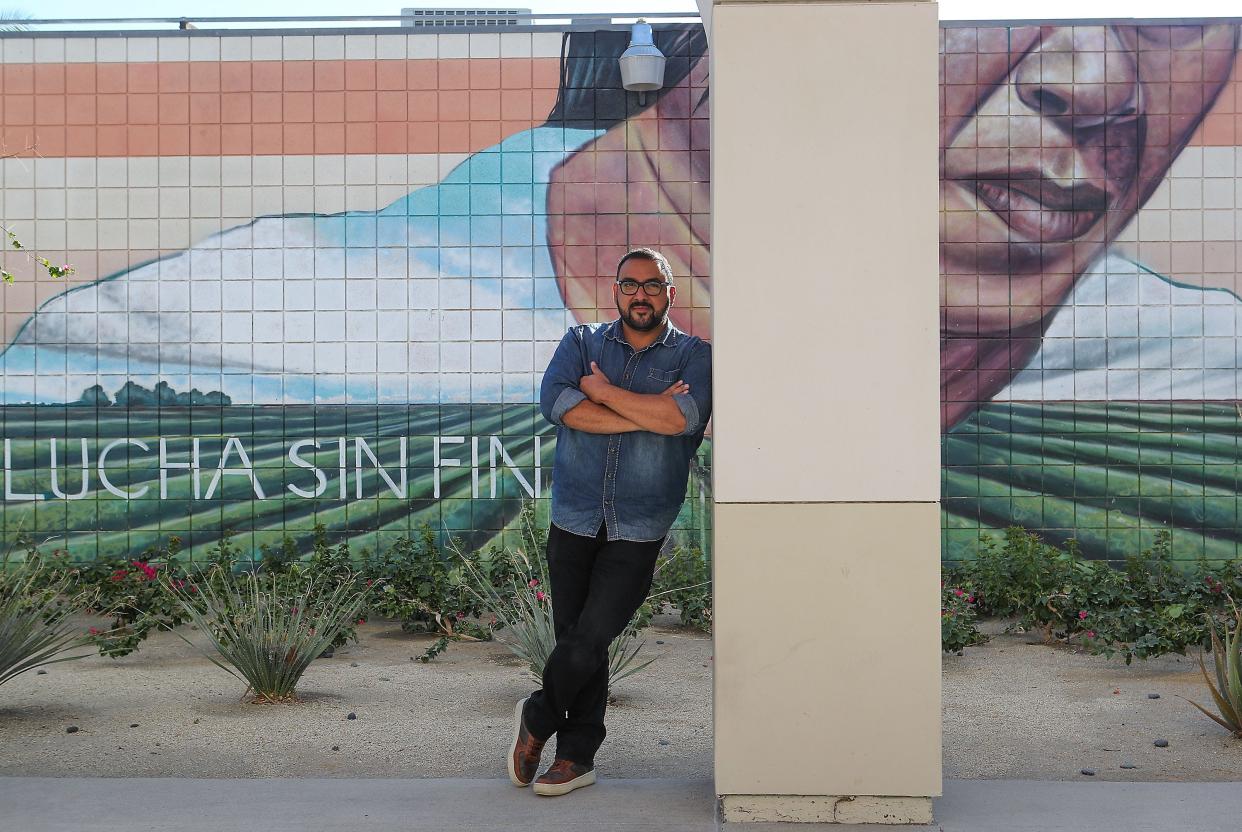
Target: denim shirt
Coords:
[(635, 482)]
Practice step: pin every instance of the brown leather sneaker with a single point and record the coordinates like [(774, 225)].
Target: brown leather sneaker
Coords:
[(562, 777), (525, 752)]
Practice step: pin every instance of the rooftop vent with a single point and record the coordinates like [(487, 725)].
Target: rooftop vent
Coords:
[(462, 17)]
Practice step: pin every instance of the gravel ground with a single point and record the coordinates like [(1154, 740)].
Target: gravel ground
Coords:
[(1013, 708), (449, 718)]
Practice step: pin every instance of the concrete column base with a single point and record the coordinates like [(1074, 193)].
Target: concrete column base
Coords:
[(793, 808)]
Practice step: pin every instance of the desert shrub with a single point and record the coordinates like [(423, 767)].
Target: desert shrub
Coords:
[(36, 608), (1226, 689), (265, 630), (517, 595), (326, 564)]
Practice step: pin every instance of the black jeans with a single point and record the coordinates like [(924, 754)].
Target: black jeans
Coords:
[(596, 587)]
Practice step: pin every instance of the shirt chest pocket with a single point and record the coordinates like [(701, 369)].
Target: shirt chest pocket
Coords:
[(657, 380)]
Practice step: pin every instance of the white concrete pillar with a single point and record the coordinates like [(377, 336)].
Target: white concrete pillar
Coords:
[(826, 428)]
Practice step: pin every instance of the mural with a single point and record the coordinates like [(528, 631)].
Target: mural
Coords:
[(367, 370), (319, 277), (1089, 387)]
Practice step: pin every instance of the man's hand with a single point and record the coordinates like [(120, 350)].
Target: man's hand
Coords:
[(675, 388), (596, 385)]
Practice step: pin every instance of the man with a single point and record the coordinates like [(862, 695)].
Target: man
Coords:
[(631, 399)]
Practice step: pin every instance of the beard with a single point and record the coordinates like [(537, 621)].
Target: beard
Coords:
[(653, 320)]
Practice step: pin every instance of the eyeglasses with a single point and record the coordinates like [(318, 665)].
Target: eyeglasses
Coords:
[(651, 287)]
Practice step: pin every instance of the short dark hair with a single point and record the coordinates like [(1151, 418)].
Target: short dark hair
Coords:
[(648, 254)]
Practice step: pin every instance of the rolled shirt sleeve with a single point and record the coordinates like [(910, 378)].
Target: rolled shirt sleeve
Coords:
[(696, 406), (568, 399), (559, 393)]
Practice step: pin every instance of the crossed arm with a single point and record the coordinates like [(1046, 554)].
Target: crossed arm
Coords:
[(610, 409)]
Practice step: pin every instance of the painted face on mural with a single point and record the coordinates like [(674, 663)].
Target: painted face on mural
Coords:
[(1052, 138), (640, 311), (643, 183)]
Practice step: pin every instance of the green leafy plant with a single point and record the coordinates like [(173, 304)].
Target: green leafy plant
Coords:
[(35, 613), (262, 633), (1149, 606), (683, 581), (15, 244), (413, 582), (1227, 662), (957, 619)]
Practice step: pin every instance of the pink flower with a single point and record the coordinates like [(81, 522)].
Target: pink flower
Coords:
[(958, 593), (971, 599), (362, 621), (1090, 633), (1082, 614), (534, 582), (94, 631), (119, 575), (147, 569), (460, 615), (180, 583), (540, 595)]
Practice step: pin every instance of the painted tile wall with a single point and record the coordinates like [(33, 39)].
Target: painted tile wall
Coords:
[(377, 237), (318, 278), (1090, 235)]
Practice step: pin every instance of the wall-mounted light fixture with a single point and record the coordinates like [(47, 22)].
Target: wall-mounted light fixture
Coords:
[(642, 64)]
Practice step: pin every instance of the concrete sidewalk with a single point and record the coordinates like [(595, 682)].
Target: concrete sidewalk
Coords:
[(46, 804)]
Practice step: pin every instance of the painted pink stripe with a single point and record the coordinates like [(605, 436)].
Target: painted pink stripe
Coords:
[(239, 108)]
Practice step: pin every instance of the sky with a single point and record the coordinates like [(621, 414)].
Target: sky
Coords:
[(949, 9)]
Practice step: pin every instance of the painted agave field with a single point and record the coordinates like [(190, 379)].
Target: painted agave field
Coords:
[(111, 481), (1108, 474)]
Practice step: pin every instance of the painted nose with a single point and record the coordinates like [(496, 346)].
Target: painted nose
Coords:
[(1084, 84)]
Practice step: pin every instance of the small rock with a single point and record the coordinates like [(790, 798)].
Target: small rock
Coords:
[(659, 642), (40, 672), (72, 729), (1116, 691), (133, 725), (959, 653), (1088, 772), (352, 715), (1128, 765), (196, 722), (1153, 696), (385, 678), (1161, 743), (663, 742), (353, 664), (336, 748)]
